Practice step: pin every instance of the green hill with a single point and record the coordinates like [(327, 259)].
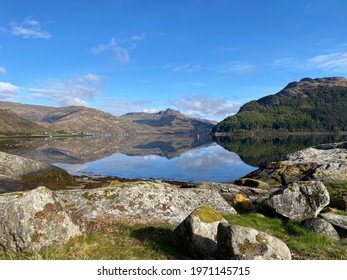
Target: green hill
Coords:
[(311, 105)]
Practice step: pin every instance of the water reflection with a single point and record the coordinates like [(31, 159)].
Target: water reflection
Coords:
[(257, 151), (168, 157), (212, 164)]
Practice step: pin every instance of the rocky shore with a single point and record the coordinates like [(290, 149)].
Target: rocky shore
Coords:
[(44, 206)]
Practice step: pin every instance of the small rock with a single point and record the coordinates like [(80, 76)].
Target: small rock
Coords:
[(321, 226), (244, 243), (251, 182), (301, 200), (197, 234), (339, 222)]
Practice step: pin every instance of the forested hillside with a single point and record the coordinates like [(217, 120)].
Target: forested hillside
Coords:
[(310, 105)]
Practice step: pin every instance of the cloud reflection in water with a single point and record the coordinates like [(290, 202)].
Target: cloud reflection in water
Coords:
[(211, 163)]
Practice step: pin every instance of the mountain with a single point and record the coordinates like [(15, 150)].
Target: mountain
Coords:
[(11, 124), (70, 119), (91, 121), (168, 121), (311, 105)]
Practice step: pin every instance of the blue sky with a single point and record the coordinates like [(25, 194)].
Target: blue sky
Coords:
[(204, 58)]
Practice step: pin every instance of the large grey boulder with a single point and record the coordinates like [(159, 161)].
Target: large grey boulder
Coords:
[(35, 219), (322, 227), (244, 243), (143, 202), (301, 200), (197, 234), (339, 222), (18, 173)]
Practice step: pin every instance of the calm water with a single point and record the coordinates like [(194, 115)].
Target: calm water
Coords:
[(178, 158), (210, 164)]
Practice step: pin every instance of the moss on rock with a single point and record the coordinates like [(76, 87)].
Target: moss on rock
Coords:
[(207, 214)]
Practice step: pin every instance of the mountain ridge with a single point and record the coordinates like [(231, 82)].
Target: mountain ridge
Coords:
[(92, 121), (310, 105)]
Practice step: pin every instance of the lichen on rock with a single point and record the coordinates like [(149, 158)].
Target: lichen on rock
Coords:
[(301, 200), (35, 220), (244, 243)]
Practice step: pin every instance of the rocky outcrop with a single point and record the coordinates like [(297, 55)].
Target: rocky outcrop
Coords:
[(35, 219), (301, 200), (17, 173), (326, 163), (322, 227), (244, 243), (143, 201), (197, 234), (339, 222)]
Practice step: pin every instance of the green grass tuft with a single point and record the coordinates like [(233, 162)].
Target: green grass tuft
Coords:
[(302, 243)]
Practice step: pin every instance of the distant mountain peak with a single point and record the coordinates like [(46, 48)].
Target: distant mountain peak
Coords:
[(170, 112)]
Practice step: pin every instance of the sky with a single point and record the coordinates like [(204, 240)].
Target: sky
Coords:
[(204, 58)]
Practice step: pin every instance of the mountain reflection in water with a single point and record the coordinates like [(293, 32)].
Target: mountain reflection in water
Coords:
[(212, 163), (169, 157)]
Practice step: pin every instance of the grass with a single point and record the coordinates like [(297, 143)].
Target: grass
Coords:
[(334, 188), (302, 243), (117, 241)]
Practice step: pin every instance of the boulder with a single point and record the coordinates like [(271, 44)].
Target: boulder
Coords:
[(18, 173), (35, 219), (197, 234), (143, 202), (322, 227), (301, 200), (339, 222), (244, 243)]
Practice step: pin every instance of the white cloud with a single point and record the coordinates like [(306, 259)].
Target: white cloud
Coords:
[(2, 70), (140, 37), (121, 55), (123, 106), (186, 68), (285, 61), (7, 90), (239, 67), (205, 106), (29, 28), (93, 78), (120, 50), (333, 61), (71, 92)]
